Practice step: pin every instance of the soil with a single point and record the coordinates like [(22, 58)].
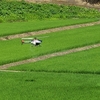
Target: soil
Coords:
[(84, 3)]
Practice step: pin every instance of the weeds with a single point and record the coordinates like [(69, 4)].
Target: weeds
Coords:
[(23, 11)]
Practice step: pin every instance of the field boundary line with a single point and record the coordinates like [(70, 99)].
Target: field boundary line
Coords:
[(61, 53), (52, 71), (48, 30)]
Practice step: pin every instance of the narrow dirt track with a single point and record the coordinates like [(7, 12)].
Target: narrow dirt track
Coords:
[(48, 31), (2, 67)]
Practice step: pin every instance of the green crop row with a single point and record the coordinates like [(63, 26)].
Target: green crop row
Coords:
[(23, 11), (12, 50), (21, 27)]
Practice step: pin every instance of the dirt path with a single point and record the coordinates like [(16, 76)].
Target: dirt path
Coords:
[(2, 67), (48, 31)]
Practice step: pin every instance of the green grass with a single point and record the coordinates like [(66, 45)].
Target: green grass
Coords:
[(12, 50), (80, 62), (21, 27), (49, 86)]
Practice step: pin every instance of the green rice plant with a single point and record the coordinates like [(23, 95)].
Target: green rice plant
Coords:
[(84, 62), (49, 86), (21, 27), (12, 50)]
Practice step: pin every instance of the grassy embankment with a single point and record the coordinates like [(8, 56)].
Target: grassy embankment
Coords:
[(21, 11)]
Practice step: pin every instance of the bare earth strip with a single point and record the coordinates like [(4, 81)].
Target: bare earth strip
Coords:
[(2, 67), (48, 31), (13, 71)]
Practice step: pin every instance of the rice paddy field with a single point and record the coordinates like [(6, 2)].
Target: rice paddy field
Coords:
[(49, 86), (74, 76), (80, 62), (13, 51), (36, 25)]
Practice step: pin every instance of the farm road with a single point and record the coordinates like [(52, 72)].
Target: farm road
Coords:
[(3, 67), (48, 31)]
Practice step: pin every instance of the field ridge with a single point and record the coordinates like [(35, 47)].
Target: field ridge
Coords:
[(52, 71), (5, 66), (48, 31)]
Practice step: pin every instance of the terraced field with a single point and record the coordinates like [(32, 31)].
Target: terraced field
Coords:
[(73, 38), (66, 67)]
